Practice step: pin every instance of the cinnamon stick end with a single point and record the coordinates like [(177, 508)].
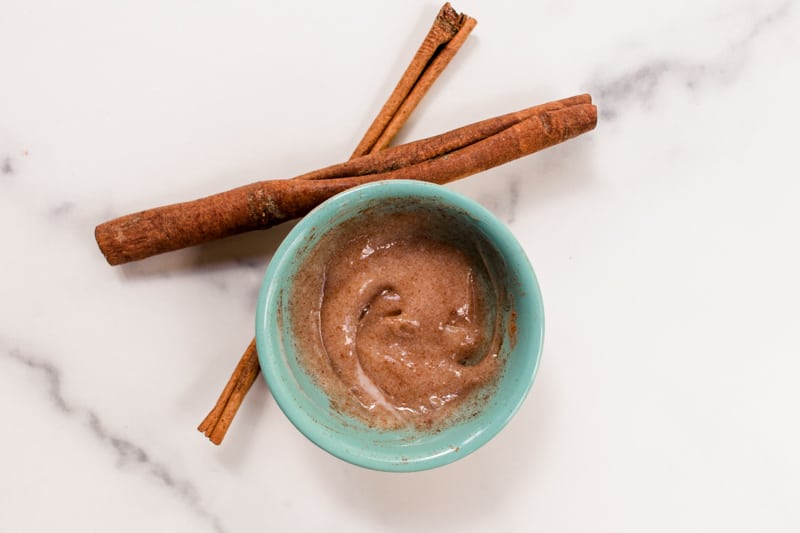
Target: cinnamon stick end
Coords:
[(211, 431), (591, 116), (205, 424), (106, 243), (571, 121), (214, 439)]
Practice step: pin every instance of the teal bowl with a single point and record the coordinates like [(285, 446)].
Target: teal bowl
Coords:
[(309, 408)]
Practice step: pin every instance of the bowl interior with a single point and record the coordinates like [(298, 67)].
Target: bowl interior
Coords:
[(309, 407)]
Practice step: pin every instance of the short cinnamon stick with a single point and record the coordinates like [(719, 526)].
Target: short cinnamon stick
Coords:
[(439, 159), (448, 33), (429, 61), (216, 423)]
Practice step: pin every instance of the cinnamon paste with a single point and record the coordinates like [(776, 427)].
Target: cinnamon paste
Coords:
[(395, 317)]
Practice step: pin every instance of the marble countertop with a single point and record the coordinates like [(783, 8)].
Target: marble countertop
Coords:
[(666, 242)]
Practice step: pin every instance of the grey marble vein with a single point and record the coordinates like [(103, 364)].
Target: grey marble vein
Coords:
[(764, 23), (641, 83), (6, 167), (127, 452), (61, 209)]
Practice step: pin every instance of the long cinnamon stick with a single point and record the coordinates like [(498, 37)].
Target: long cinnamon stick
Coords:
[(429, 61), (455, 155), (415, 152)]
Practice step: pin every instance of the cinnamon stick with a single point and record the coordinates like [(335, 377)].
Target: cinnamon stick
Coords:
[(216, 423), (445, 37), (448, 33), (439, 159)]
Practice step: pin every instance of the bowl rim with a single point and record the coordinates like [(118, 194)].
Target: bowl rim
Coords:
[(269, 338)]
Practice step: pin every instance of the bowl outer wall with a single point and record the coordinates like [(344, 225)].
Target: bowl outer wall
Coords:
[(350, 440)]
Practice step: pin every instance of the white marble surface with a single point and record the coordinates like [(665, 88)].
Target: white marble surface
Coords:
[(666, 243)]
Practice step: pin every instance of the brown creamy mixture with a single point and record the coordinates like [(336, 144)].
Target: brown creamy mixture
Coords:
[(396, 318)]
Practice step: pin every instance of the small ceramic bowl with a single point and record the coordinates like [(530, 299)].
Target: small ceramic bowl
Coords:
[(307, 405)]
